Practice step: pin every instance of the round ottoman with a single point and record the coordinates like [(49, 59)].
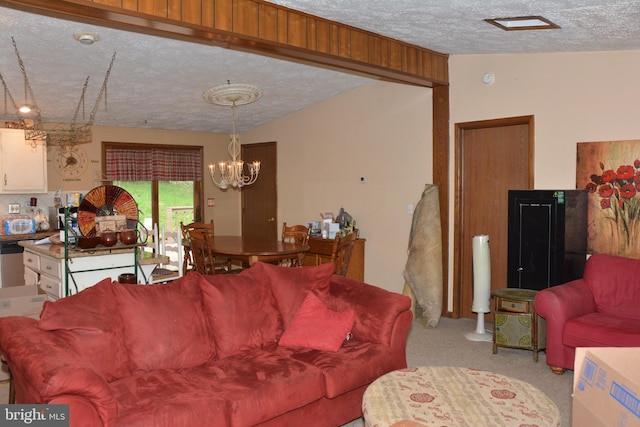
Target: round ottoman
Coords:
[(450, 396)]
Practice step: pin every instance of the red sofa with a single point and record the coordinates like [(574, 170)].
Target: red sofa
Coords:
[(600, 310), (208, 350)]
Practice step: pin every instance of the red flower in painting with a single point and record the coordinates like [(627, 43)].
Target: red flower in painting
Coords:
[(628, 191), (605, 190), (625, 172), (618, 193)]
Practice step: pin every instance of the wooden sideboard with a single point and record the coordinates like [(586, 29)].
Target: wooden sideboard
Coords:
[(320, 253)]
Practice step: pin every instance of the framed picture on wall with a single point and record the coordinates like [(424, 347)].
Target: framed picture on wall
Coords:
[(610, 171)]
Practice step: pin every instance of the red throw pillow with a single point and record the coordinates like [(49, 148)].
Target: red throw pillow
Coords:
[(241, 311), (315, 326), (90, 324), (164, 325), (290, 285)]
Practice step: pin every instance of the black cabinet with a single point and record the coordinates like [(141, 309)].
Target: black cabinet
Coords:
[(547, 237)]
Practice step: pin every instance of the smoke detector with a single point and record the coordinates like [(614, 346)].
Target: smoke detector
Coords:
[(86, 38)]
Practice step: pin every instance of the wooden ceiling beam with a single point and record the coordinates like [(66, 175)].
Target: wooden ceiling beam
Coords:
[(258, 27)]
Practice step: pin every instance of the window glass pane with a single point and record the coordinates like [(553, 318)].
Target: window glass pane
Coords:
[(176, 203)]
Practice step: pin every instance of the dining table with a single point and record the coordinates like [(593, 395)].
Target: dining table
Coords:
[(249, 250)]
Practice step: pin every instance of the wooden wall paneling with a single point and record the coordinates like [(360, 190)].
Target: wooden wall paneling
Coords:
[(334, 40), (297, 30), (154, 7), (359, 46), (245, 17), (312, 34), (344, 42), (283, 15), (223, 15), (191, 11), (113, 3), (174, 10), (323, 37), (207, 13), (268, 23), (395, 55), (129, 4)]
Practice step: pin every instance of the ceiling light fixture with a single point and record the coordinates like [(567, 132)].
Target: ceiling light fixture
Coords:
[(231, 173), (86, 38), (523, 23), (61, 134)]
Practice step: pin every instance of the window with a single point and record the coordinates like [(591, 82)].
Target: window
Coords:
[(165, 180)]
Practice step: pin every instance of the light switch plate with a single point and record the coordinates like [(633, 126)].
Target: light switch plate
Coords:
[(14, 208)]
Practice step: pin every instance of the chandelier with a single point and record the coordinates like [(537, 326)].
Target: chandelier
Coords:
[(231, 173), (56, 134)]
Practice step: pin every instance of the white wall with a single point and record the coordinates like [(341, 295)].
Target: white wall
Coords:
[(381, 131), (575, 97)]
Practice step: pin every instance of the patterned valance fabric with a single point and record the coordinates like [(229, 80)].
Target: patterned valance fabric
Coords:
[(153, 164)]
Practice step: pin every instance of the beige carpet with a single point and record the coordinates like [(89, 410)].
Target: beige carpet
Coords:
[(446, 345)]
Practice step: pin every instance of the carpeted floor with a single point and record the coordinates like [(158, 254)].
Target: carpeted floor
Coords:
[(446, 345)]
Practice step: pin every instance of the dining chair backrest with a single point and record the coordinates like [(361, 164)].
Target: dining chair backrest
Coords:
[(187, 263), (295, 234), (341, 252), (201, 252)]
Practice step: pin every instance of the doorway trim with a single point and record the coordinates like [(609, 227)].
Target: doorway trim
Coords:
[(460, 129)]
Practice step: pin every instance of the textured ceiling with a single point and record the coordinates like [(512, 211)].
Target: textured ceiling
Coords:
[(159, 83)]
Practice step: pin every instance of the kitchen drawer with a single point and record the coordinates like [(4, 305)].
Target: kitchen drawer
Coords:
[(31, 260), (50, 267), (50, 285)]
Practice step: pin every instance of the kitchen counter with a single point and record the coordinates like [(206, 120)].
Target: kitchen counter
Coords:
[(31, 236), (57, 251)]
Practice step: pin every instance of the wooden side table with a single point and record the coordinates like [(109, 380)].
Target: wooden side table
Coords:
[(515, 321)]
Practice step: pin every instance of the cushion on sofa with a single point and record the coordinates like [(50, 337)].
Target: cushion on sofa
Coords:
[(316, 326), (291, 285), (259, 383), (164, 324), (601, 330), (241, 310), (613, 281), (91, 325)]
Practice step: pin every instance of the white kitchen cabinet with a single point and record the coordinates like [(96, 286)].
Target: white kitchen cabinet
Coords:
[(46, 266), (23, 164)]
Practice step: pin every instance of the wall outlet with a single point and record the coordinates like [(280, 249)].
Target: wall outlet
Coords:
[(14, 208), (211, 202)]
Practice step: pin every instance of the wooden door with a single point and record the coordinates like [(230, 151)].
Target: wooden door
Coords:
[(492, 157), (259, 200)]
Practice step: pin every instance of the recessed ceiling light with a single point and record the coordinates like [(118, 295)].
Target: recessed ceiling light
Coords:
[(523, 23), (86, 38)]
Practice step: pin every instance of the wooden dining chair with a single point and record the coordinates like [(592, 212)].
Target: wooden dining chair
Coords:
[(341, 252), (295, 234), (201, 254), (202, 227)]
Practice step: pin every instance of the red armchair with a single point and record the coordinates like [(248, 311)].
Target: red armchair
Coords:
[(600, 310)]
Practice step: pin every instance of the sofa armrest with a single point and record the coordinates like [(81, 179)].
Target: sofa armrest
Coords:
[(45, 371), (558, 305), (377, 310), (564, 302)]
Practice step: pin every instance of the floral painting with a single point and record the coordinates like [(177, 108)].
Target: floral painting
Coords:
[(610, 172)]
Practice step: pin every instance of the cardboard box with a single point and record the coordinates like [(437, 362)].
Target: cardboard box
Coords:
[(22, 301), (606, 387)]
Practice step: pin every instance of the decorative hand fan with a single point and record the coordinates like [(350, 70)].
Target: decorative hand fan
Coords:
[(106, 200)]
